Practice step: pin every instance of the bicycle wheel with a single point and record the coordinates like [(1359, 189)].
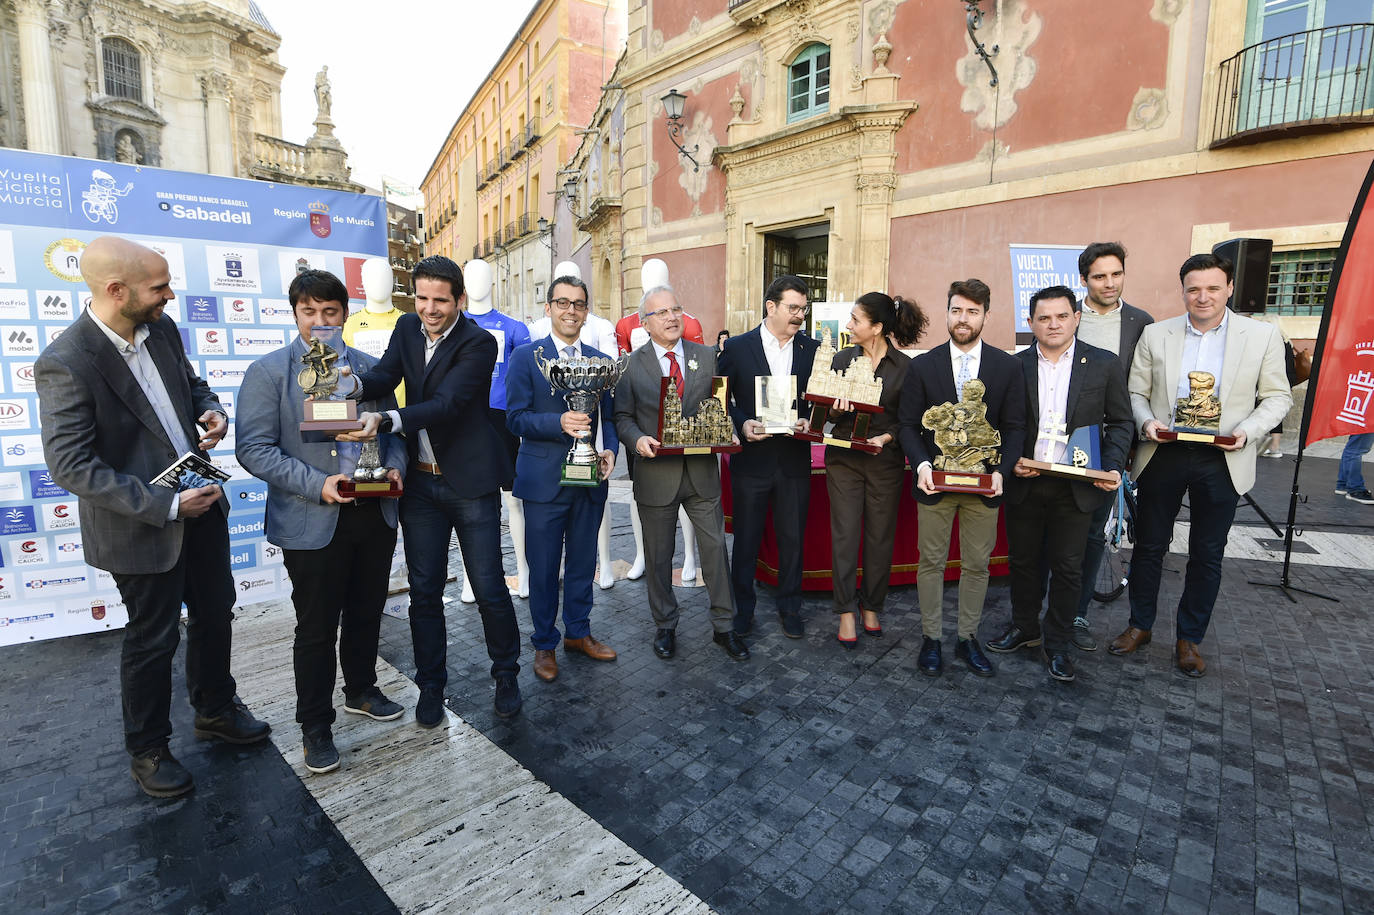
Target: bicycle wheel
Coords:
[(1112, 576)]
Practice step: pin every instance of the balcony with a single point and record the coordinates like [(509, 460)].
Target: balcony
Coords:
[(516, 148), (1306, 82), (275, 159), (531, 132)]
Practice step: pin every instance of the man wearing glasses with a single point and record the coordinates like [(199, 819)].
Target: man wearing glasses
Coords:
[(663, 483), (772, 471), (561, 521)]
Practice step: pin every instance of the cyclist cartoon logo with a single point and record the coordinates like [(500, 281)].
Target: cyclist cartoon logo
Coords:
[(98, 201)]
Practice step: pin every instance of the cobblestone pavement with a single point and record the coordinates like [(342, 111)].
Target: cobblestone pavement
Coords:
[(809, 779)]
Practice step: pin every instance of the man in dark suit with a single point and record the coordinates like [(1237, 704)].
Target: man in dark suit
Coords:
[(934, 378), (337, 549), (663, 483), (457, 464), (1069, 385), (118, 403), (560, 521), (771, 471), (1110, 324)]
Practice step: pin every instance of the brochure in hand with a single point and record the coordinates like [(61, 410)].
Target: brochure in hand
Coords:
[(190, 471)]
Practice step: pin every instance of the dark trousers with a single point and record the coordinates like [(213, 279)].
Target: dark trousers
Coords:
[(201, 579), (659, 523), (339, 591), (754, 497), (430, 512), (566, 529), (865, 492), (1093, 551), (1200, 472), (1047, 529)]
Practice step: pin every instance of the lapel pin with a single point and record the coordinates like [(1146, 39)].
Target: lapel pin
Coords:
[(692, 364), (1083, 360)]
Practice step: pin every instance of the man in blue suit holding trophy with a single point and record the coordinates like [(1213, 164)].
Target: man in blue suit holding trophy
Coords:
[(563, 504)]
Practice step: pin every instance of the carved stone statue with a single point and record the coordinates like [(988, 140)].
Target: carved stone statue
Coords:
[(125, 151), (323, 98)]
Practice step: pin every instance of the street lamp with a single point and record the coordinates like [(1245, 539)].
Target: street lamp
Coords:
[(672, 107)]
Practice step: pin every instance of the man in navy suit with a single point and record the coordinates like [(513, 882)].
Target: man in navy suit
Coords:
[(934, 378), (453, 482), (337, 549), (771, 471), (560, 521)]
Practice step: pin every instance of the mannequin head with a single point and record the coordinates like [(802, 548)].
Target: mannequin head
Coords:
[(477, 276), (653, 273), (567, 268), (377, 283)]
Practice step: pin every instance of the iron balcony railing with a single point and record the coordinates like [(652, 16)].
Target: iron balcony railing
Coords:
[(1297, 83), (531, 131)]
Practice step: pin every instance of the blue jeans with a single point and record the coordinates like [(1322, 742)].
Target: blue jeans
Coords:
[(1350, 476), (430, 511)]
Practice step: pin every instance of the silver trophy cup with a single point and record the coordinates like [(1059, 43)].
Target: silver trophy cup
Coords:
[(582, 380)]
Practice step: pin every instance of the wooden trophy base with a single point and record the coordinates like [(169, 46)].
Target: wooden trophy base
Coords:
[(331, 416), (977, 484), (859, 439), (1202, 438), (670, 450), (852, 444), (369, 489), (1068, 471), (580, 475)]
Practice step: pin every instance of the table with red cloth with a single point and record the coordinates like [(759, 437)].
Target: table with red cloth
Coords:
[(816, 550)]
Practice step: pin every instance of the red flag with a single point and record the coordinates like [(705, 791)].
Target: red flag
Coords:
[(1340, 392)]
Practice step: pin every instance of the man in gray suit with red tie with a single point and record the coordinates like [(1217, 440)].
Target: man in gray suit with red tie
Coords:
[(119, 403), (664, 482)]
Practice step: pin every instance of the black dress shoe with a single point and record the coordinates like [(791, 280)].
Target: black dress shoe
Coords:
[(665, 643), (429, 709), (508, 701), (1013, 639), (233, 724), (734, 645), (159, 774), (1060, 667), (930, 662), (792, 625), (971, 654)]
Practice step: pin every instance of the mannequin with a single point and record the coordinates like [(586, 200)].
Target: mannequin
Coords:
[(509, 334), (654, 273), (369, 329), (598, 333)]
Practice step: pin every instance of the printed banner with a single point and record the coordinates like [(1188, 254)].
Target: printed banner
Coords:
[(1033, 267), (233, 246), (1341, 385)]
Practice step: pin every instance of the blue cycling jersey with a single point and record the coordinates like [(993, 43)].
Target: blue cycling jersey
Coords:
[(509, 334)]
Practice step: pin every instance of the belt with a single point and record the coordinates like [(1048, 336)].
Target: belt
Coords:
[(429, 468)]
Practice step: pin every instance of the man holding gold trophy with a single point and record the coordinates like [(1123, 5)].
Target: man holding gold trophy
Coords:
[(1205, 388), (558, 394)]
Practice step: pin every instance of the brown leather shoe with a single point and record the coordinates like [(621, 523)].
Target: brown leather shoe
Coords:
[(597, 651), (1189, 660), (1129, 641), (545, 664)]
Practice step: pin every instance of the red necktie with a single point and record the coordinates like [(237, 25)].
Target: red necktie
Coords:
[(674, 370)]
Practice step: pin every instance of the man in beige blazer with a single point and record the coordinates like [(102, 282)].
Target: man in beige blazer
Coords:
[(1246, 358)]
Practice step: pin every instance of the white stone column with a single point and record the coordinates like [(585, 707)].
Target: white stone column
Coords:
[(42, 129), (218, 131)]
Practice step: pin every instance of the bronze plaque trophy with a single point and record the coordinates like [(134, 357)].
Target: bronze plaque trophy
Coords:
[(582, 380), (1084, 452), (776, 400), (1197, 417), (968, 444), (707, 431), (857, 384), (325, 410)]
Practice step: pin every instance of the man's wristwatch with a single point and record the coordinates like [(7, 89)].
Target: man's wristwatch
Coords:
[(385, 424)]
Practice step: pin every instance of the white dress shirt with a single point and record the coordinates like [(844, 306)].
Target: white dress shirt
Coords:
[(677, 349), (1203, 352), (975, 359), (426, 451), (778, 354), (1053, 391)]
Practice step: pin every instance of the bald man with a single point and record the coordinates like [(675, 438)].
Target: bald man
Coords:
[(119, 402)]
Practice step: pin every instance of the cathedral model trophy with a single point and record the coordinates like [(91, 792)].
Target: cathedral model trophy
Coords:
[(968, 444), (582, 379), (325, 410), (1084, 452), (707, 431), (857, 384), (1197, 417)]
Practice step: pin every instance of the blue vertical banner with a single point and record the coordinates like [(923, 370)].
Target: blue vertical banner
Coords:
[(233, 246), (1033, 267)]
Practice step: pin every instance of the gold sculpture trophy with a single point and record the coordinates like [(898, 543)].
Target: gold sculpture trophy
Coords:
[(707, 431), (1197, 417), (857, 384), (968, 444), (325, 410)]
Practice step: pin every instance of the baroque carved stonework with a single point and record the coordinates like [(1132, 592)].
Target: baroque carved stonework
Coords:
[(876, 188), (1166, 11), (1149, 110), (1014, 31), (798, 162)]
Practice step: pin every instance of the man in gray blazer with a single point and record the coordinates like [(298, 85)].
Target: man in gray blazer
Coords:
[(663, 483), (1245, 357), (1108, 323), (119, 403), (336, 549)]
